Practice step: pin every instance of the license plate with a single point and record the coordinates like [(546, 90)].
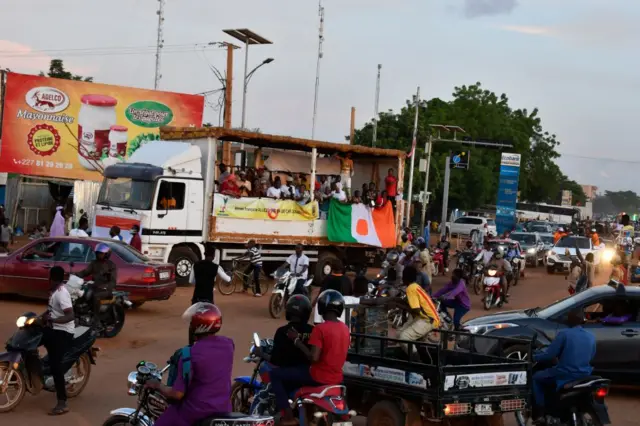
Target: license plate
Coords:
[(164, 275), (483, 409)]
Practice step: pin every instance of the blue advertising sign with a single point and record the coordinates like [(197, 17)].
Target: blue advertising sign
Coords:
[(507, 192)]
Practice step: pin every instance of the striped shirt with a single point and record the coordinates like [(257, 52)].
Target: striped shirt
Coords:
[(255, 257)]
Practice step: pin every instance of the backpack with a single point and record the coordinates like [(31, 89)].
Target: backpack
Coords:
[(183, 354)]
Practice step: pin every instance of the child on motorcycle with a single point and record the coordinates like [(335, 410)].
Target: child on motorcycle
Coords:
[(206, 391), (329, 343)]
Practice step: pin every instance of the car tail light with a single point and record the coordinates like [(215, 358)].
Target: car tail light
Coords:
[(338, 403), (149, 275), (601, 392), (457, 409)]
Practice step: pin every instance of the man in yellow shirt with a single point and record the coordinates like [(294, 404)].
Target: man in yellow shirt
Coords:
[(424, 314)]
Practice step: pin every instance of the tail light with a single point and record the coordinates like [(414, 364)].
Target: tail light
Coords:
[(513, 404), (149, 275), (338, 403), (601, 392), (457, 409)]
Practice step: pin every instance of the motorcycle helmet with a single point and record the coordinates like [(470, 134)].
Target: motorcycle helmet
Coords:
[(499, 253), (298, 306), (330, 301), (204, 319), (392, 257), (469, 244), (410, 250), (420, 240)]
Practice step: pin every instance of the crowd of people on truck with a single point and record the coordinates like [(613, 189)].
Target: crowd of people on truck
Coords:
[(262, 183)]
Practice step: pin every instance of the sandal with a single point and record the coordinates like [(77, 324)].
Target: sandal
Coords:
[(59, 410)]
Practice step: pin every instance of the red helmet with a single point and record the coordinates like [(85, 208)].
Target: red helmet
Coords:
[(204, 318)]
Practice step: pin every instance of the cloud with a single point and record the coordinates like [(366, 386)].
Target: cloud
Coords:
[(477, 8), (529, 30), (604, 174), (20, 57)]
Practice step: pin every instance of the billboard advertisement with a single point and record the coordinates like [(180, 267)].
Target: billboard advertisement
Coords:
[(74, 129), (507, 192)]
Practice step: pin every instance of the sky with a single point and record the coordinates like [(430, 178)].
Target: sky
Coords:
[(575, 60)]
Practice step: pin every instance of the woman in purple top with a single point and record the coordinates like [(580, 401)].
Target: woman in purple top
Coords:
[(208, 390), (454, 295)]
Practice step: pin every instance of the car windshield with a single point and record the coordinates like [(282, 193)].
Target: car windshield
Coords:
[(539, 228), (126, 192), (547, 239), (527, 239), (570, 242), (491, 222), (127, 253), (562, 305)]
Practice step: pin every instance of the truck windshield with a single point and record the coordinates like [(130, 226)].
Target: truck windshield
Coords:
[(126, 192)]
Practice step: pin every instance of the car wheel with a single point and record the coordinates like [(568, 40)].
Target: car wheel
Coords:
[(183, 258), (518, 352)]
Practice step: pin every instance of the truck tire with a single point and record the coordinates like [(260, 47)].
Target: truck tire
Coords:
[(323, 267), (385, 413), (183, 259)]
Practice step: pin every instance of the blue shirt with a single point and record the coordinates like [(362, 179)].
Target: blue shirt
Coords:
[(575, 348)]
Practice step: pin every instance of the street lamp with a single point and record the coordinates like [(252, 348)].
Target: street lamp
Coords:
[(248, 37), (265, 62)]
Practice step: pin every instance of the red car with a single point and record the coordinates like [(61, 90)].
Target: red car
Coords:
[(26, 270)]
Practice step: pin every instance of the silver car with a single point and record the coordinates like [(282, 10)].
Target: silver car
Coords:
[(532, 246)]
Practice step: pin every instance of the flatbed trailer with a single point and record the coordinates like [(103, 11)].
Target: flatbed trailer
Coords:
[(437, 384)]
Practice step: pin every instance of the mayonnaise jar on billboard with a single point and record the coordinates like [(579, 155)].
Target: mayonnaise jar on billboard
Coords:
[(118, 141), (97, 115)]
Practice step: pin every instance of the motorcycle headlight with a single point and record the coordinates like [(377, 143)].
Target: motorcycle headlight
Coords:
[(607, 255), (492, 272), (21, 321), (371, 287), (132, 383), (531, 250), (486, 328)]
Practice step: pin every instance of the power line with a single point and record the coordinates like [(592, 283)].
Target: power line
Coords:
[(115, 53), (609, 160), (153, 46)]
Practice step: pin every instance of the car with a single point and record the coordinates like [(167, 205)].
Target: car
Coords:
[(26, 271), (539, 228), (466, 225), (504, 244), (559, 258), (532, 246), (617, 346), (547, 240)]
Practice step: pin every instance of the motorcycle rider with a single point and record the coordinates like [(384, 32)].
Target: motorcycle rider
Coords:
[(454, 295), (298, 264), (424, 314), (444, 245), (329, 344), (485, 255), (105, 277), (503, 266), (425, 258), (58, 338), (575, 348), (209, 389), (284, 352)]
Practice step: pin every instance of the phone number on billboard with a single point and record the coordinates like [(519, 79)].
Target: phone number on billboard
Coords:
[(41, 163)]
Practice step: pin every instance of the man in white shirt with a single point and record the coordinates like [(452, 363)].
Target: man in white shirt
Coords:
[(288, 190), (81, 230), (58, 338), (299, 266), (275, 191), (338, 193)]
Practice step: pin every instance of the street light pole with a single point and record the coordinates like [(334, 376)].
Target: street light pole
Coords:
[(244, 87), (413, 158)]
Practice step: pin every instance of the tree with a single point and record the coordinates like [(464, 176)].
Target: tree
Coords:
[(483, 115), (57, 70)]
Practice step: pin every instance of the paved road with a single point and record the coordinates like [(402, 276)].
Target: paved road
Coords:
[(155, 330)]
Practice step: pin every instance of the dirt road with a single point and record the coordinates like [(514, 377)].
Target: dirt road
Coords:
[(155, 330)]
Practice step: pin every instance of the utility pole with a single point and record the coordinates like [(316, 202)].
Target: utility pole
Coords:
[(320, 55), (413, 158), (427, 149), (228, 94), (375, 112), (445, 196), (159, 43), (352, 127)]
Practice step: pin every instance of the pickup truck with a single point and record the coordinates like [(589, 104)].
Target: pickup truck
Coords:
[(465, 225), (560, 256), (437, 383)]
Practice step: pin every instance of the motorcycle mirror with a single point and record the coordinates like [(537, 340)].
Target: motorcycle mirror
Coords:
[(256, 340)]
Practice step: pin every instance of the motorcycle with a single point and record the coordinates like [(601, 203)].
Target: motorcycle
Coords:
[(577, 403), (319, 404), (466, 263), (493, 289), (516, 265), (252, 394), (476, 278), (283, 289), (111, 315), (151, 403), (23, 370), (438, 262)]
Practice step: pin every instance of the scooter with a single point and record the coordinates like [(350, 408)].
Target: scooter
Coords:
[(438, 262), (576, 403), (252, 394), (22, 370), (476, 278), (284, 288), (112, 311), (492, 288)]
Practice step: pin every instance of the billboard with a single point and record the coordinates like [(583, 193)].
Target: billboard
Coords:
[(567, 198), (507, 192), (74, 129)]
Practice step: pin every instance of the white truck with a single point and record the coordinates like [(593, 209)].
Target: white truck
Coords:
[(168, 189)]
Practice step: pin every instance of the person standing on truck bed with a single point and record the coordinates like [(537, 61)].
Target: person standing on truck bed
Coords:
[(391, 185), (203, 276), (255, 266), (346, 172)]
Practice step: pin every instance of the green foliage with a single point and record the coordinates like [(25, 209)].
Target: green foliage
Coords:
[(57, 70), (483, 115), (614, 202)]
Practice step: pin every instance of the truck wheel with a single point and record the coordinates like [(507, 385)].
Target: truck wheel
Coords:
[(323, 267), (385, 413), (183, 258)]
